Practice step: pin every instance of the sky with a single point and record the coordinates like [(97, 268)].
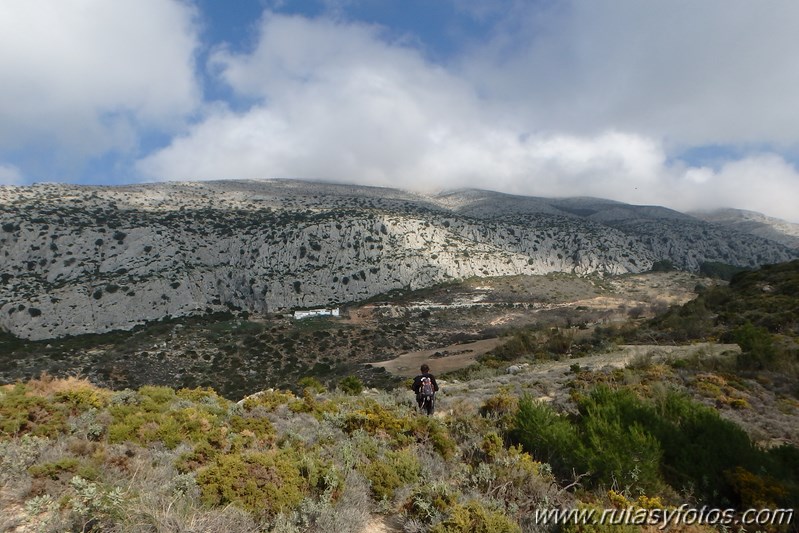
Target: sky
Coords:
[(690, 104)]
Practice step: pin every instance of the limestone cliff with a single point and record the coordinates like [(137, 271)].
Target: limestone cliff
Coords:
[(92, 259)]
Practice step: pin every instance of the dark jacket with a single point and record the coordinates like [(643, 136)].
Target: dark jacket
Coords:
[(417, 382)]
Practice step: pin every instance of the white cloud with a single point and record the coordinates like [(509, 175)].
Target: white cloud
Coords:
[(765, 183), (10, 175), (710, 72), (336, 101), (84, 75)]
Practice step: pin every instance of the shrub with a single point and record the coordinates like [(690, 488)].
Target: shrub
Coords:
[(430, 500), (206, 395), (474, 518), (375, 419), (699, 447), (664, 265), (549, 437), (520, 343), (253, 429), (93, 503), (22, 413), (16, 455), (268, 400), (559, 342), (620, 438), (55, 468), (757, 346), (311, 383), (756, 491), (158, 415), (260, 482), (82, 398), (615, 453), (198, 457), (392, 472), (430, 432), (499, 405), (351, 385)]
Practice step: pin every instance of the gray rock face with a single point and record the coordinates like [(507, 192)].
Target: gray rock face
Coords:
[(774, 229), (79, 260)]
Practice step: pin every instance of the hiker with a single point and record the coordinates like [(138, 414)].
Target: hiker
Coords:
[(425, 387)]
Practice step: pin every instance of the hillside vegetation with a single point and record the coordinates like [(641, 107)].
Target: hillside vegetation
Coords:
[(657, 434)]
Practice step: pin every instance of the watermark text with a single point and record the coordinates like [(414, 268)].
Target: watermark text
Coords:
[(663, 518)]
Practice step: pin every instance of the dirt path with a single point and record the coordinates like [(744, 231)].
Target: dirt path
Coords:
[(446, 359), (383, 524)]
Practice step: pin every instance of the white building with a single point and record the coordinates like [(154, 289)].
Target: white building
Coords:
[(298, 315)]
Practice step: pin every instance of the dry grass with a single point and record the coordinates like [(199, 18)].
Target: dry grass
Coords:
[(48, 385)]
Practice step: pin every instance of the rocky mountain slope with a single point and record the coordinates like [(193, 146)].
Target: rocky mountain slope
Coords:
[(92, 259), (775, 229)]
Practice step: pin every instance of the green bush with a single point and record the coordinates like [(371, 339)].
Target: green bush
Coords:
[(351, 385), (93, 503), (475, 518), (617, 445), (430, 500), (54, 469), (757, 347), (431, 432), (394, 470), (699, 447), (548, 436), (713, 269), (264, 483), (518, 344), (268, 400), (377, 420), (664, 265), (499, 406), (83, 398), (619, 438), (688, 322), (311, 383), (22, 413), (558, 342), (158, 414)]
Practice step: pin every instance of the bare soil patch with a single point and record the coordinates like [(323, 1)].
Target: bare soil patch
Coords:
[(446, 359)]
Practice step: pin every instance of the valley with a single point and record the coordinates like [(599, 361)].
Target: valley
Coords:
[(240, 353)]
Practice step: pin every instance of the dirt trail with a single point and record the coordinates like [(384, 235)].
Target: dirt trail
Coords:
[(383, 524)]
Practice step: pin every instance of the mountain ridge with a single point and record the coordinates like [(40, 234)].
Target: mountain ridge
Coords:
[(83, 259), (771, 228)]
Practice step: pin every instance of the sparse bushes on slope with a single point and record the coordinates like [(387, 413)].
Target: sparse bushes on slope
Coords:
[(282, 462)]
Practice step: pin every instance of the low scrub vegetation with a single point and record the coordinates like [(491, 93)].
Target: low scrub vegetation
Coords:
[(328, 456), (78, 457)]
